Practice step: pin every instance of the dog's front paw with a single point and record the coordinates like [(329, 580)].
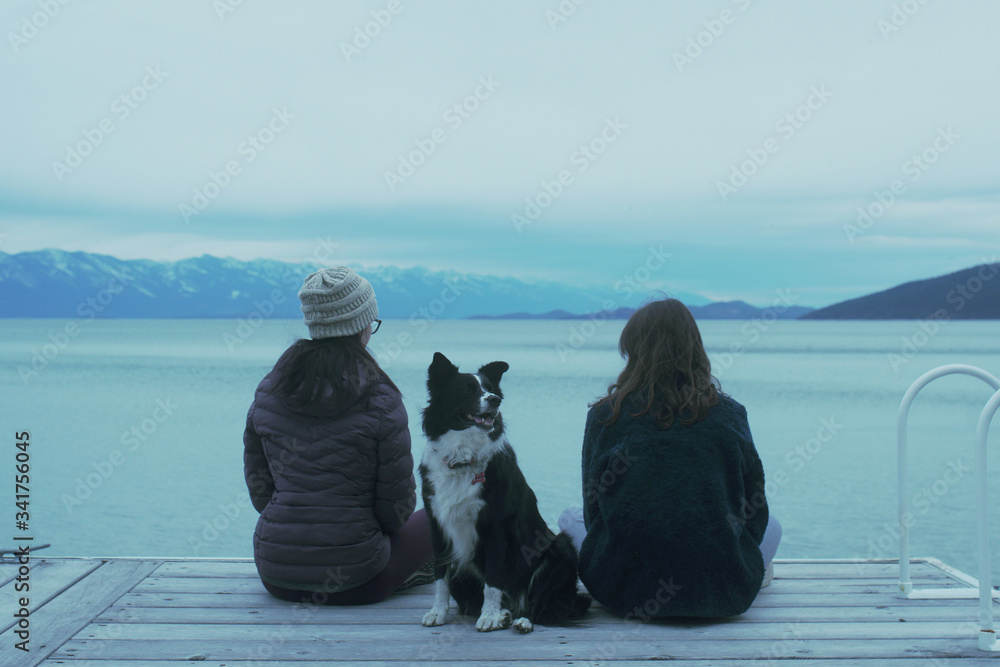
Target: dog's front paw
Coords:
[(523, 625), (489, 622), (436, 616)]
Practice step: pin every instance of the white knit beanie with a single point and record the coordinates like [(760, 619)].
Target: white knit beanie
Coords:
[(336, 301)]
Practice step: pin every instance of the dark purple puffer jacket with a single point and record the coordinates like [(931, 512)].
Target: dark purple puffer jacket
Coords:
[(330, 488)]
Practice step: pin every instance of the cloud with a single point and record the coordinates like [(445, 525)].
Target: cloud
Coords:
[(481, 126), (553, 91)]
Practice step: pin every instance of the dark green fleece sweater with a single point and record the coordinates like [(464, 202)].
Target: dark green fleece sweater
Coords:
[(674, 517)]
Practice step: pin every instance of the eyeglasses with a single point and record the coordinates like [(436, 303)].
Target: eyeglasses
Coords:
[(375, 325)]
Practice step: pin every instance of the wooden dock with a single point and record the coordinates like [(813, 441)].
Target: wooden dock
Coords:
[(164, 612)]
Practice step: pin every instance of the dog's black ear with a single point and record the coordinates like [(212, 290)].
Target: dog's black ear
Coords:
[(493, 371), (440, 369)]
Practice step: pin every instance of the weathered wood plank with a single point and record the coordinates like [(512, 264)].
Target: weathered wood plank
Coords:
[(830, 612), (247, 585), (785, 570), (290, 613), (604, 632), (820, 569), (857, 570), (424, 600), (512, 647), (46, 579), (73, 609), (207, 568), (278, 662)]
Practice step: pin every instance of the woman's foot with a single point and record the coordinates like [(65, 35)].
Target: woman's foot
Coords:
[(768, 575), (424, 575), (571, 523)]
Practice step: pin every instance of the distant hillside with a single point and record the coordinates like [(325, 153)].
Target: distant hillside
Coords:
[(55, 283), (970, 294), (739, 310), (727, 310)]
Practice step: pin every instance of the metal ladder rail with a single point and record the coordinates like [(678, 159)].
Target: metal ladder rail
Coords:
[(905, 585), (987, 635)]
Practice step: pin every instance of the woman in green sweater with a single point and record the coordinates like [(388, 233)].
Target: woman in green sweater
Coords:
[(675, 515)]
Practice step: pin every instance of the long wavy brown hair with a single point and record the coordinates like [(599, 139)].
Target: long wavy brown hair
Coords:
[(666, 367)]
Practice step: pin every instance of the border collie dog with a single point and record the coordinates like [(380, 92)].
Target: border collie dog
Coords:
[(492, 551)]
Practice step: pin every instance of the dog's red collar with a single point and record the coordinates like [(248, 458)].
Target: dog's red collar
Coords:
[(478, 477)]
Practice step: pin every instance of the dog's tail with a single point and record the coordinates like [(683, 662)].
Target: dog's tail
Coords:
[(562, 609), (557, 600), (579, 607)]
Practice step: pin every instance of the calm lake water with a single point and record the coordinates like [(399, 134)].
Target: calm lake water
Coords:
[(136, 425)]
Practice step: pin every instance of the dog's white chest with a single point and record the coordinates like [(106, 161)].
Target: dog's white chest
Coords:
[(456, 504), (457, 501)]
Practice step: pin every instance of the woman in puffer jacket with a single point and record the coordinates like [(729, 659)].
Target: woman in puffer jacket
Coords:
[(327, 459)]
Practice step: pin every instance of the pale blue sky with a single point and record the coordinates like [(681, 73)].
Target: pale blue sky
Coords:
[(823, 104)]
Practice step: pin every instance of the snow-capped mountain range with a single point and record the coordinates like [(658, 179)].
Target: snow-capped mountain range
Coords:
[(56, 283)]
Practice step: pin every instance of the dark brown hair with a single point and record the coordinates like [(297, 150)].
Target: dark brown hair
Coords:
[(329, 373), (666, 366)]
